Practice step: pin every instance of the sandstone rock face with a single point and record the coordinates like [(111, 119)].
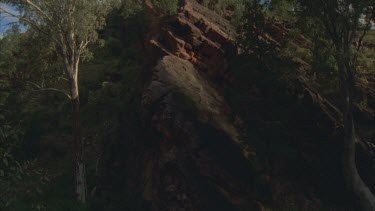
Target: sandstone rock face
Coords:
[(198, 147), (195, 158), (197, 161), (197, 35)]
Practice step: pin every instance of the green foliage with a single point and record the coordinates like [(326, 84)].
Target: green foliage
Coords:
[(9, 45), (110, 85), (255, 31), (169, 7), (297, 53), (230, 9), (110, 91), (328, 42), (366, 56), (82, 17), (131, 7), (282, 9), (41, 122), (19, 178), (235, 7), (323, 67), (22, 178)]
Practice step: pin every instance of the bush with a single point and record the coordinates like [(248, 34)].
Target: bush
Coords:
[(169, 7), (20, 179), (255, 31), (233, 9)]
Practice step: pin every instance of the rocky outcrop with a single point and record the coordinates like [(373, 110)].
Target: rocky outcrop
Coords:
[(198, 161), (195, 157), (197, 35)]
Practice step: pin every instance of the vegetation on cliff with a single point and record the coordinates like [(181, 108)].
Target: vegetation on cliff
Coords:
[(187, 105)]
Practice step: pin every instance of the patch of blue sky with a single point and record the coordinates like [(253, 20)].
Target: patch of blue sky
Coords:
[(6, 20)]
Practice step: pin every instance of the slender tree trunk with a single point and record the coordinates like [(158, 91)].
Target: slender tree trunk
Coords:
[(80, 170), (352, 178)]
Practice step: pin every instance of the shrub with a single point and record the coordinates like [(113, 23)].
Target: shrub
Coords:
[(169, 7), (235, 8), (255, 31)]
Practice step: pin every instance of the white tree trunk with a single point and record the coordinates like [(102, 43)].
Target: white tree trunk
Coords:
[(352, 178), (80, 169)]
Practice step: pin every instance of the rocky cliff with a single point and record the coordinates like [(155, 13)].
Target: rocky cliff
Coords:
[(198, 161), (196, 153)]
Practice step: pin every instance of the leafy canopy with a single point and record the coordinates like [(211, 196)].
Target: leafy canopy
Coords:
[(72, 24)]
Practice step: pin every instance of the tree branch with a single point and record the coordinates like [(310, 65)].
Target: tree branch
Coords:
[(40, 89), (38, 9)]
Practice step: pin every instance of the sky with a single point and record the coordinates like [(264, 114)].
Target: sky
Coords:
[(6, 19)]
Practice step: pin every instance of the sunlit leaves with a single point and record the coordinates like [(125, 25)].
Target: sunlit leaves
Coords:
[(167, 6)]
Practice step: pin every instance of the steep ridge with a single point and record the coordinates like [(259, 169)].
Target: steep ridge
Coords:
[(194, 155), (198, 161)]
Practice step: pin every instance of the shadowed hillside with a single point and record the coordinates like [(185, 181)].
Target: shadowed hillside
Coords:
[(183, 105)]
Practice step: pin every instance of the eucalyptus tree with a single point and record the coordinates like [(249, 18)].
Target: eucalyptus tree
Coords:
[(340, 19), (72, 25)]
